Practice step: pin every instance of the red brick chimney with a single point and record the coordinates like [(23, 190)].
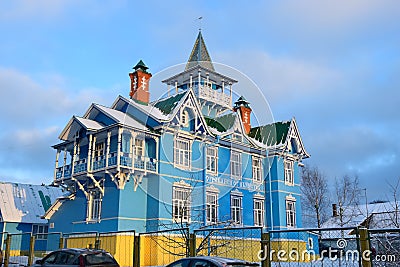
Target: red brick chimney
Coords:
[(245, 112), (140, 80)]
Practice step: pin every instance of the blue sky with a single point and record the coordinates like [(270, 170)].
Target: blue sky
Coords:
[(334, 65)]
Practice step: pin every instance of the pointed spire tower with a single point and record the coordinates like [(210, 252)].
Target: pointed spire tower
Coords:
[(212, 89), (199, 55)]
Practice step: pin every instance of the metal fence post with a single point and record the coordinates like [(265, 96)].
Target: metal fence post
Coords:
[(265, 243), (192, 245), (136, 251), (61, 242), (31, 250), (8, 249), (365, 249)]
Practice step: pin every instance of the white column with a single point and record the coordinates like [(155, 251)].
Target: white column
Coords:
[(89, 154), (230, 89), (223, 85), (119, 147), (56, 165), (208, 79), (93, 152), (199, 77), (157, 147), (65, 156), (176, 87), (191, 80), (73, 157), (108, 147)]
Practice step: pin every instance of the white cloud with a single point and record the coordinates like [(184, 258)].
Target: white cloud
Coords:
[(27, 102), (33, 112), (280, 78)]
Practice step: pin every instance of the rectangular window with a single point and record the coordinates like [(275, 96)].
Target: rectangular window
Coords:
[(257, 170), (291, 213), (40, 231), (258, 212), (99, 149), (236, 209), (289, 172), (94, 206), (212, 159), (236, 164), (182, 153), (139, 147), (212, 207), (181, 203)]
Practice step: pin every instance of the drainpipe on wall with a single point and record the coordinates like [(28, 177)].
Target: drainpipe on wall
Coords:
[(270, 197)]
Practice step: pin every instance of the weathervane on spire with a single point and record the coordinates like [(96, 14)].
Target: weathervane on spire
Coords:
[(199, 19)]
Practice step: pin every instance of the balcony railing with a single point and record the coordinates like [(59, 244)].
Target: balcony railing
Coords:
[(63, 172), (144, 163), (80, 166), (216, 96), (99, 163)]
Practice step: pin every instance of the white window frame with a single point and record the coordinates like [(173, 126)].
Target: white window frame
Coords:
[(259, 211), (94, 206), (182, 153), (289, 171), (310, 243), (40, 231), (236, 164), (212, 157), (185, 118), (257, 169), (211, 207), (139, 147), (290, 212), (237, 209), (181, 203)]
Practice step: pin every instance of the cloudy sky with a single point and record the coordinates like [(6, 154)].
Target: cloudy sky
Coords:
[(333, 65)]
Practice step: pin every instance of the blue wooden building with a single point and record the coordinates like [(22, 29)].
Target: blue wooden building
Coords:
[(21, 209), (191, 158)]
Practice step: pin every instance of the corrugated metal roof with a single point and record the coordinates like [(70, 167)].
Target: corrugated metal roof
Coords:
[(25, 202)]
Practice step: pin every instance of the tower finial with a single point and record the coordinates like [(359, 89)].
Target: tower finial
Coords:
[(199, 19)]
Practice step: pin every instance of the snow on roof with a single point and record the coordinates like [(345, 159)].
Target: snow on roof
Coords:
[(25, 202), (89, 124), (355, 215), (148, 109), (121, 117)]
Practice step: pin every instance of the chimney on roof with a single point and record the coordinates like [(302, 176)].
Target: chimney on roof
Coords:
[(140, 80), (334, 210), (245, 112)]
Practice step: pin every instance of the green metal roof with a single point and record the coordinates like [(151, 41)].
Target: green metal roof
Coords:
[(242, 102), (199, 55), (141, 65), (168, 105), (223, 123), (271, 134)]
